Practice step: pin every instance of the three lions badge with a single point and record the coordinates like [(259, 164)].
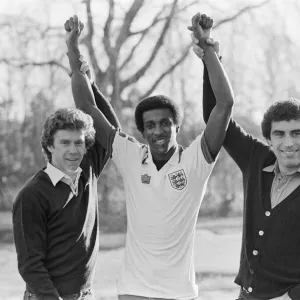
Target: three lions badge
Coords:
[(178, 179)]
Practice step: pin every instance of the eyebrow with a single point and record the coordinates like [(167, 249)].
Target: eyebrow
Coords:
[(283, 131)]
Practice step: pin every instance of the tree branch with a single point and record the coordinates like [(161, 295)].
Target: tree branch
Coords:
[(143, 34), (125, 28), (157, 20), (52, 62), (135, 77), (106, 36), (167, 72), (88, 39), (240, 12)]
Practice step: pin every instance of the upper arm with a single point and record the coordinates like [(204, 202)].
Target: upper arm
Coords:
[(105, 107), (29, 222), (84, 99), (99, 156), (103, 128), (216, 127)]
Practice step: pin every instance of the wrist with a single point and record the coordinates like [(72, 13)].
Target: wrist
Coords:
[(203, 44), (208, 52)]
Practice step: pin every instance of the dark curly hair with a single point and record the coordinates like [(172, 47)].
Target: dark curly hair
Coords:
[(67, 119), (155, 102), (286, 110)]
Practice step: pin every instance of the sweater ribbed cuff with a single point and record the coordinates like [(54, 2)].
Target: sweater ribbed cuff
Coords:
[(294, 293)]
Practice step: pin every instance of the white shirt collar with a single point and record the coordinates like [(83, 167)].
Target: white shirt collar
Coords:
[(174, 159), (56, 175)]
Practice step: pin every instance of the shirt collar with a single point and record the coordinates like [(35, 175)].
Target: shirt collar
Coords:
[(275, 168), (56, 175), (174, 159)]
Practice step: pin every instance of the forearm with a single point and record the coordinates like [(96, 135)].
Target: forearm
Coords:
[(81, 88), (221, 88), (30, 241)]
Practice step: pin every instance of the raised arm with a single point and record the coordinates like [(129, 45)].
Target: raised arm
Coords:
[(81, 89), (237, 142), (218, 120)]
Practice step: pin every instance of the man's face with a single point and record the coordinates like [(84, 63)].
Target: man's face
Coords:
[(68, 150), (160, 132), (285, 143)]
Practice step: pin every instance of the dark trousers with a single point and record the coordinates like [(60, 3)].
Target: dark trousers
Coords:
[(84, 295), (132, 297)]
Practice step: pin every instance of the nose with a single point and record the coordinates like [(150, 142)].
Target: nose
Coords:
[(73, 148), (288, 141), (157, 130)]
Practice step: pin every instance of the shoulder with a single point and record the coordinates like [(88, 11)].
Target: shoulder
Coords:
[(124, 140), (34, 186), (122, 135)]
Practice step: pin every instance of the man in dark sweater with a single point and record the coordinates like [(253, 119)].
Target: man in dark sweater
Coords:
[(270, 260), (55, 215)]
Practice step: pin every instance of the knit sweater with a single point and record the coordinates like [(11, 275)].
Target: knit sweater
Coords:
[(270, 260), (57, 244)]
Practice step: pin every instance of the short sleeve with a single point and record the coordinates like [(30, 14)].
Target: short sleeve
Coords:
[(198, 158), (125, 150)]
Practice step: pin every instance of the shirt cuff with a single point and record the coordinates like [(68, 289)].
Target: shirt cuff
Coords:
[(205, 150)]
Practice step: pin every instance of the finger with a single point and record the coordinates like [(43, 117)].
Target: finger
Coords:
[(81, 58), (66, 25), (217, 47), (84, 67), (198, 54), (197, 49), (207, 21), (204, 19), (194, 39), (211, 23), (76, 23), (196, 20), (81, 26), (210, 41), (71, 23)]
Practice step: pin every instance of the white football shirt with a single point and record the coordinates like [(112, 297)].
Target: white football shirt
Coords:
[(162, 210)]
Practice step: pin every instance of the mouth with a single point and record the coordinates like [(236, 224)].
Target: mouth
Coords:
[(72, 159), (289, 152), (159, 142)]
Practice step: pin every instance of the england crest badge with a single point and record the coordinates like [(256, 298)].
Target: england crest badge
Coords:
[(178, 179)]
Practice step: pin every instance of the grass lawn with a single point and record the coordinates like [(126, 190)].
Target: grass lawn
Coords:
[(217, 247)]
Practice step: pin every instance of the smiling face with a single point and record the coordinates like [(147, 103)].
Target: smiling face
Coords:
[(68, 150), (285, 143), (160, 131)]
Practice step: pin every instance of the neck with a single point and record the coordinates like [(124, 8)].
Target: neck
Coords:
[(288, 171), (163, 157)]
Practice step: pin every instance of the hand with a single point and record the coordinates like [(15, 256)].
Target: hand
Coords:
[(199, 51), (84, 68), (201, 27), (283, 297), (73, 28)]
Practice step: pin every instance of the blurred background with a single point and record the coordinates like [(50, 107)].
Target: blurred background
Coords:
[(137, 48)]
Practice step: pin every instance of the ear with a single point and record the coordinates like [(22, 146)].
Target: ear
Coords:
[(50, 148), (269, 142), (143, 134)]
